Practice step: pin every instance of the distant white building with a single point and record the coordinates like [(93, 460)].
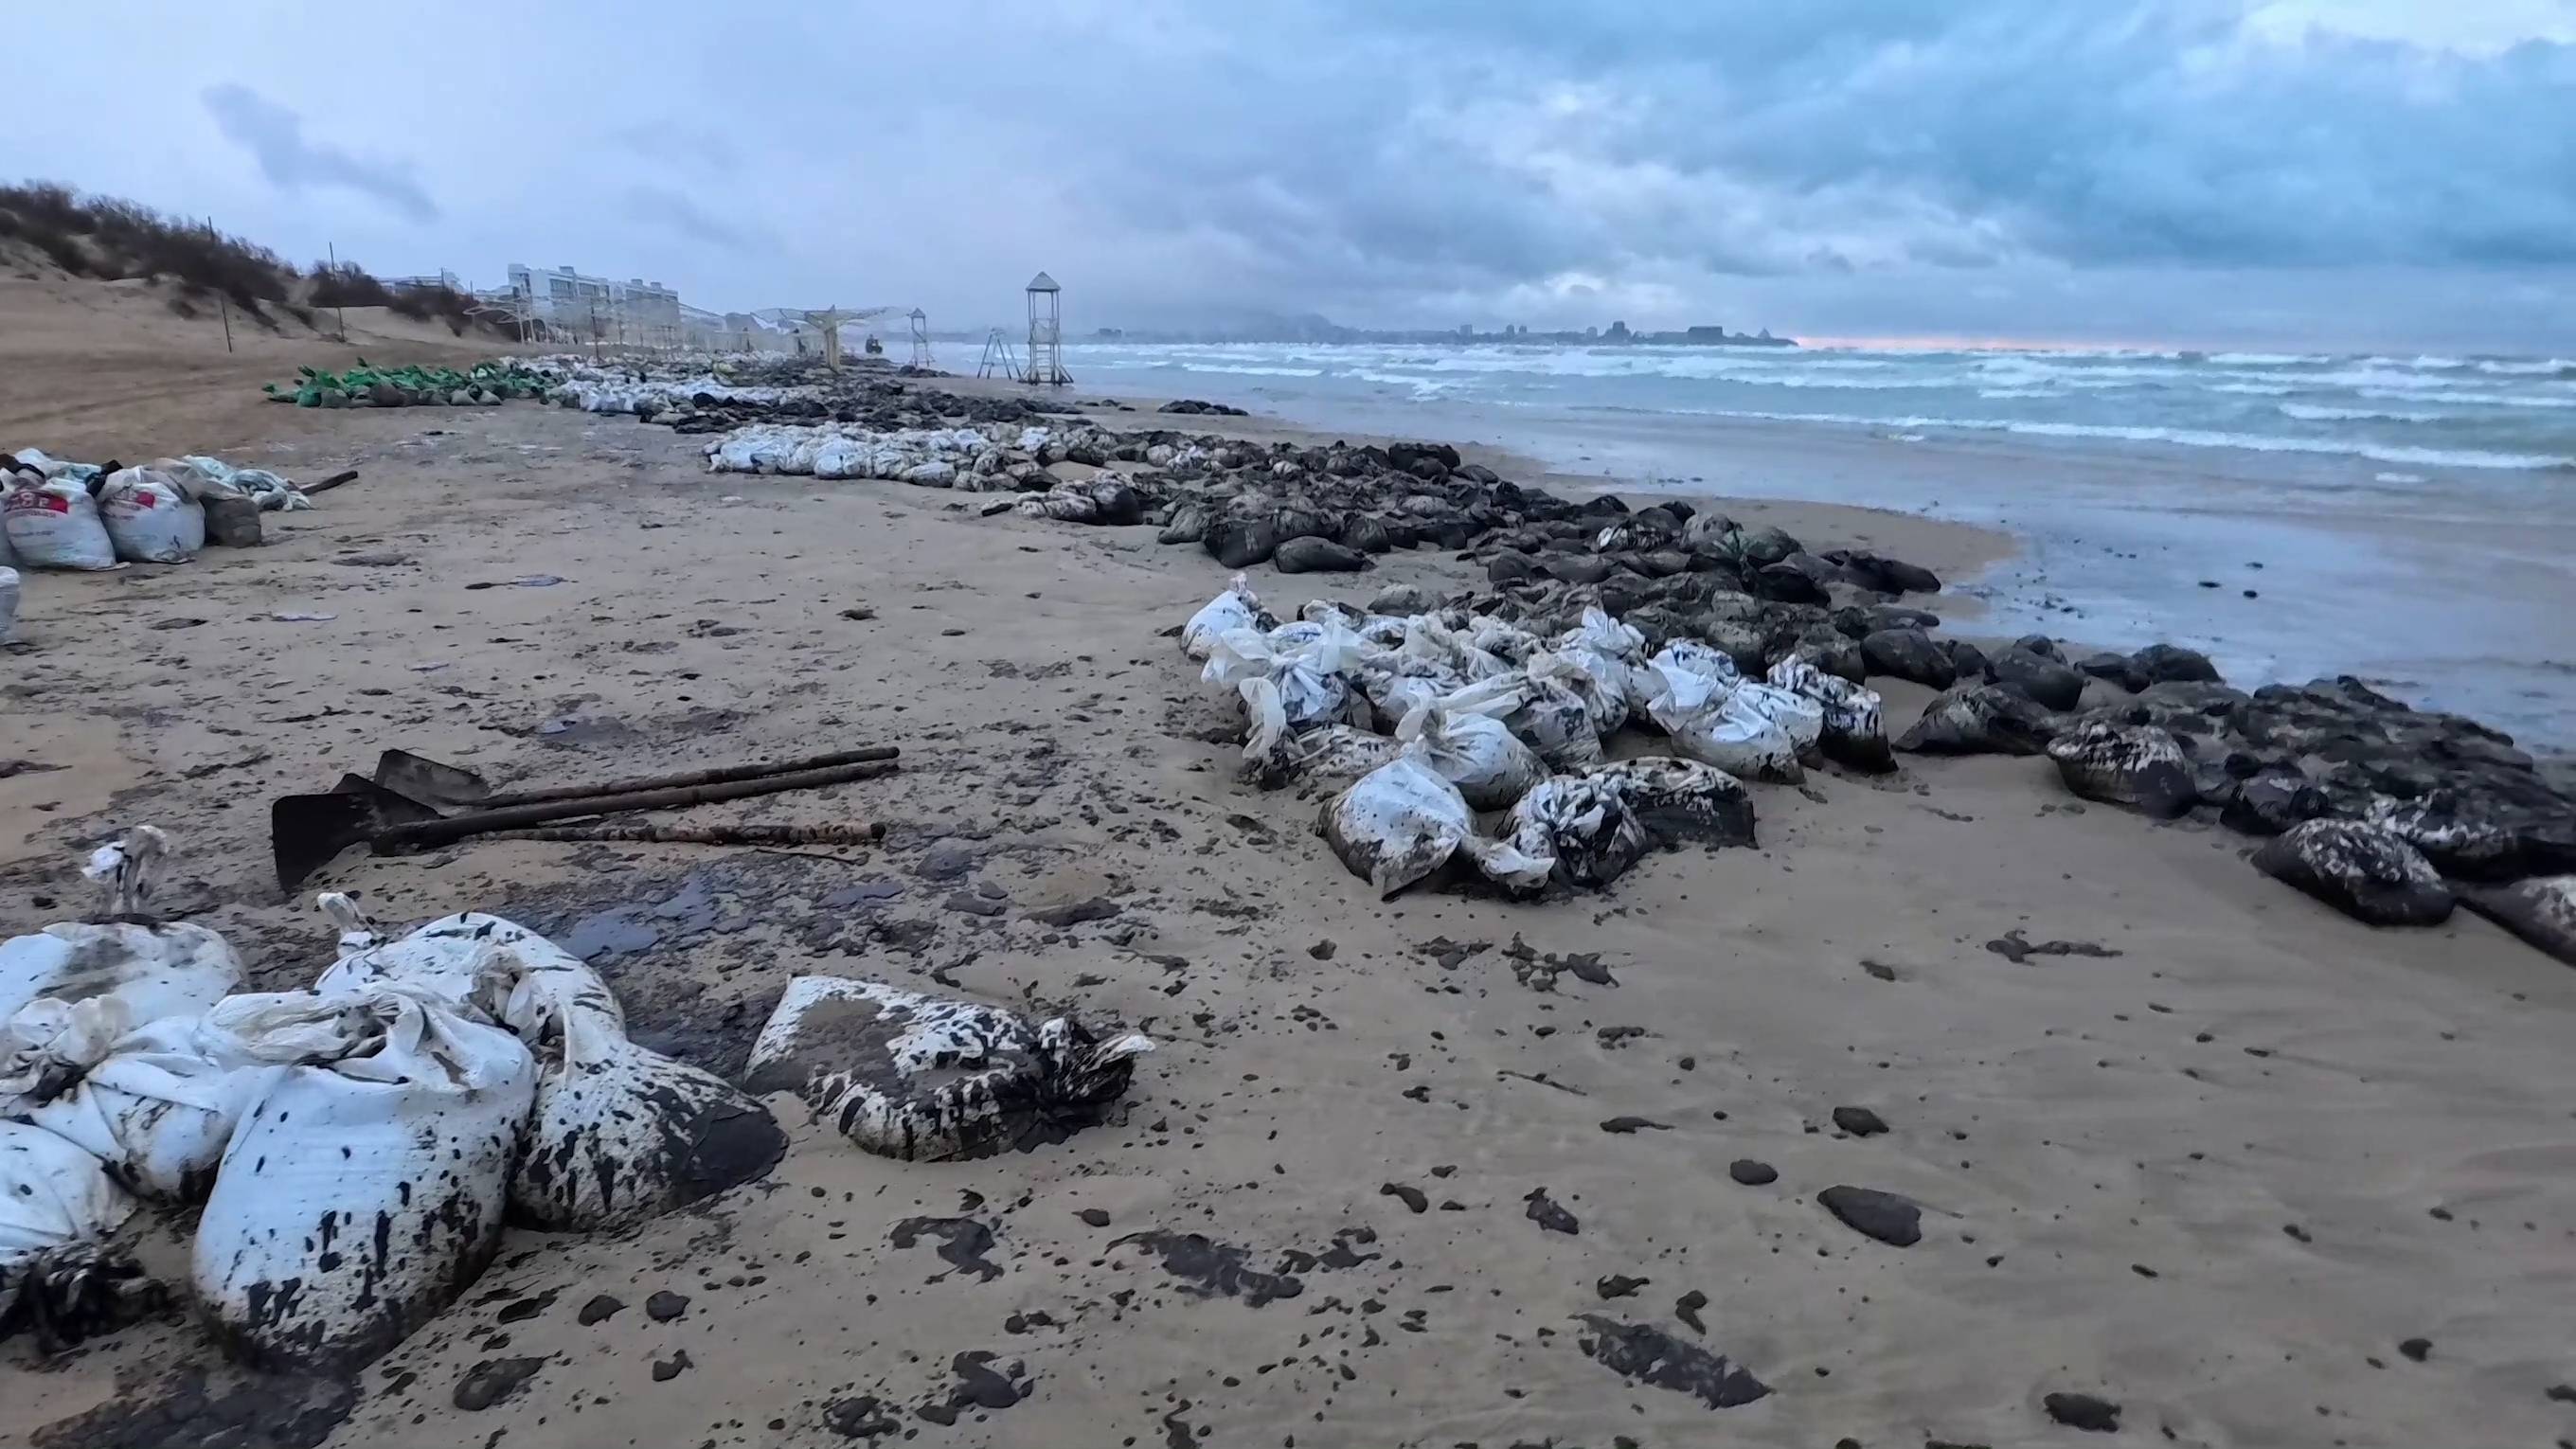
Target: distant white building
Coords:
[(585, 308)]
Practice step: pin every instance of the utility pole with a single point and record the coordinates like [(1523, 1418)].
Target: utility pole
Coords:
[(338, 286)]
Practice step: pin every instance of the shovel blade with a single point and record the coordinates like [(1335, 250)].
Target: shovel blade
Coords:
[(434, 783), (307, 832)]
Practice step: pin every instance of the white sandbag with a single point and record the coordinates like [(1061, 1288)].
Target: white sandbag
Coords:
[(1402, 821), (71, 990), (1332, 756), (364, 1188), (1706, 724), (149, 518), (54, 524), (1800, 718), (158, 1110), (935, 1079), (1305, 664), (1683, 801), (1706, 660), (8, 593), (61, 1270), (1432, 642), (1475, 752), (1237, 608), (1582, 826), (840, 458), (620, 1133), (1608, 651)]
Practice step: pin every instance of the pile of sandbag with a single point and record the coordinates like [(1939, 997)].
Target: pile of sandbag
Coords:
[(971, 458), (357, 1147), (56, 514), (618, 393), (1418, 721)]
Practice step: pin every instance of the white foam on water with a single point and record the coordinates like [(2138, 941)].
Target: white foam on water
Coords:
[(2313, 413)]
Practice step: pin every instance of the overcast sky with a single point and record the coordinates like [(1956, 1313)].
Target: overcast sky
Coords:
[(2311, 172)]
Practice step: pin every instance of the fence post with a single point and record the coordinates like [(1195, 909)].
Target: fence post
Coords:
[(337, 287)]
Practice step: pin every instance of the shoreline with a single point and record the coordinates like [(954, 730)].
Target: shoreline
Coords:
[(2210, 1060)]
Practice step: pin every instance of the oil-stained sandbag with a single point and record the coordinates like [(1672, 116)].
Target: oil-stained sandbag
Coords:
[(2361, 870), (935, 1079), (1683, 801), (1980, 719), (1475, 752), (1552, 719), (364, 1189), (619, 1133), (157, 1110), (9, 590), (65, 1273), (1581, 825), (1237, 608), (450, 958), (2139, 766), (1853, 732), (2541, 910), (1601, 681), (1330, 757), (1400, 822)]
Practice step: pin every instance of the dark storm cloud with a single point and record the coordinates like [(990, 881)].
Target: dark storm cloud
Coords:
[(1508, 140), (274, 136)]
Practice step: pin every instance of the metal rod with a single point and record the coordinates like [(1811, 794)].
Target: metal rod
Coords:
[(426, 834), (717, 776)]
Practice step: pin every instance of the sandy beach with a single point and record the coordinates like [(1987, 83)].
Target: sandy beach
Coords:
[(2255, 1173)]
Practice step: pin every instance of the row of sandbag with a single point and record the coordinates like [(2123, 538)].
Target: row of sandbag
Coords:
[(1432, 716), (931, 457), (356, 1146), (63, 515)]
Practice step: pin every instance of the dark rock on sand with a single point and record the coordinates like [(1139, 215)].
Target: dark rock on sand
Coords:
[(2041, 645), (2046, 681), (599, 1310), (2083, 1411), (2541, 910), (1893, 1220), (2161, 663), (1886, 575), (1649, 1355), (2139, 766), (2361, 870), (1967, 661), (1751, 1173), (2416, 1349), (1544, 1212), (666, 1305), (1210, 1269), (1189, 524), (1614, 1285), (1908, 654), (1687, 1307), (1859, 1121), (1980, 719), (1239, 543), (1311, 555)]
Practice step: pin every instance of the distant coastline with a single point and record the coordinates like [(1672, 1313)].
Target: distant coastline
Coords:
[(1322, 331)]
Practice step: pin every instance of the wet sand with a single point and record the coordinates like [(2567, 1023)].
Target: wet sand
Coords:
[(2214, 1158)]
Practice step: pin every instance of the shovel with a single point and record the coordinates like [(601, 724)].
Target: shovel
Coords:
[(306, 832)]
